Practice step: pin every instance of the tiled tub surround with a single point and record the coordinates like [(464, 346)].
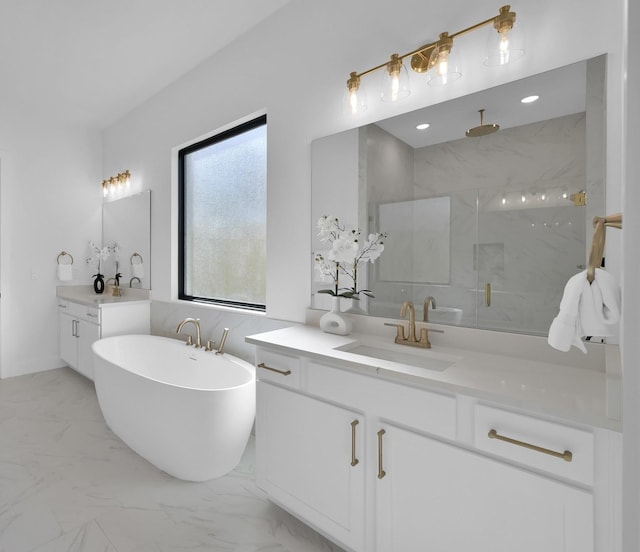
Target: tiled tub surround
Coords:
[(436, 427), (67, 484)]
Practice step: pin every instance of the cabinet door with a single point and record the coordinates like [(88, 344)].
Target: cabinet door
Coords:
[(310, 461), (68, 340), (439, 497), (87, 333)]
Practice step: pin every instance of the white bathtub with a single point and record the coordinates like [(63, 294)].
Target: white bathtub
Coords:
[(187, 411)]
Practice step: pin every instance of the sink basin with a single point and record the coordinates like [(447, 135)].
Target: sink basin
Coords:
[(418, 358), (445, 315)]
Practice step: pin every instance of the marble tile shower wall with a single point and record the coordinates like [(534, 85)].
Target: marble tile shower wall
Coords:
[(526, 251)]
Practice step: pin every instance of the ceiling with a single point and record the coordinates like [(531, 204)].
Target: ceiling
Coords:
[(562, 92), (88, 63)]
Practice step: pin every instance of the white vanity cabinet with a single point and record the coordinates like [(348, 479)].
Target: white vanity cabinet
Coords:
[(310, 452), (438, 496), (81, 325), (378, 465)]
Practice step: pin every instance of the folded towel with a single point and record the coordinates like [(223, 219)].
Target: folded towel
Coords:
[(586, 310), (65, 272), (137, 270)]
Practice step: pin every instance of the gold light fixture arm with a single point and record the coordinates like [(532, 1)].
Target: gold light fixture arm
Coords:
[(420, 56)]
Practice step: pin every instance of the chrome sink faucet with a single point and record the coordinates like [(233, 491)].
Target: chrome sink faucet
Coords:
[(428, 301), (196, 323)]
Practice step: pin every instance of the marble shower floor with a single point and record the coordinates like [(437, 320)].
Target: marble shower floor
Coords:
[(68, 484)]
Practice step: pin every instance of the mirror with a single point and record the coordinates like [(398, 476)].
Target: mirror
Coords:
[(127, 222), (491, 227)]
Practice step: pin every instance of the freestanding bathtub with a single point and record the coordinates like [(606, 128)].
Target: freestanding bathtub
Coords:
[(187, 411)]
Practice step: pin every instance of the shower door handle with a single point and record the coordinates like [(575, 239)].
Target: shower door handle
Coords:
[(487, 294)]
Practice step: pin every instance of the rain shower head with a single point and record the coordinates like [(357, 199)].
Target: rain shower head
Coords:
[(483, 129)]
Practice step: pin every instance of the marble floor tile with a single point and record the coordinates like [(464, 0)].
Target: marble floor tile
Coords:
[(67, 484)]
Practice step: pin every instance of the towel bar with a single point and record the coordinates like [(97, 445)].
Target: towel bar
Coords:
[(597, 244)]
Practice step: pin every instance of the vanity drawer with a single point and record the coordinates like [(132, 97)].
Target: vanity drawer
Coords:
[(278, 368), (417, 408), (80, 311), (555, 448)]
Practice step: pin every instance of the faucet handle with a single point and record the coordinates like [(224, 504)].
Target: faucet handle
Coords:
[(209, 346), (189, 341), (399, 331)]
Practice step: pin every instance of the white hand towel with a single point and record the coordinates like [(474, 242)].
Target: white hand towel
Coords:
[(137, 270), (65, 272), (586, 310)]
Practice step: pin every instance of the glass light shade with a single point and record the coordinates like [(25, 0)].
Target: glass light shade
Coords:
[(355, 100), (504, 46), (445, 67), (395, 81)]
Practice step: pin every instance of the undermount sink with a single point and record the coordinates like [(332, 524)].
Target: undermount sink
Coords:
[(446, 315), (418, 358)]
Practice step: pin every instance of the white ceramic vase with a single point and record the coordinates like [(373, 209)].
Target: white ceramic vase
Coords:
[(355, 307), (334, 321)]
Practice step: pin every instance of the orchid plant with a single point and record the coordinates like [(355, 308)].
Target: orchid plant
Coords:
[(347, 251), (98, 255), (115, 251)]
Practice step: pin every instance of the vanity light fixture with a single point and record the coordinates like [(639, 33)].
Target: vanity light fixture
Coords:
[(505, 45), (436, 59), (116, 185), (395, 81), (529, 99)]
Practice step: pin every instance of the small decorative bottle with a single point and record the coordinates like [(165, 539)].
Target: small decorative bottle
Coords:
[(334, 321)]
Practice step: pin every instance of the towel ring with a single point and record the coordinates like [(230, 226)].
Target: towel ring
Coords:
[(597, 244), (64, 254), (136, 255)]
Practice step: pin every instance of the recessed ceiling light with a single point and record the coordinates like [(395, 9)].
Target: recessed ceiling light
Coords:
[(423, 126), (529, 99)]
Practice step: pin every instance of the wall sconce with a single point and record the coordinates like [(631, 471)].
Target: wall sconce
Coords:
[(116, 185), (438, 60)]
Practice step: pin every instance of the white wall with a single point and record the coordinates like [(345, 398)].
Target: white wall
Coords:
[(50, 200)]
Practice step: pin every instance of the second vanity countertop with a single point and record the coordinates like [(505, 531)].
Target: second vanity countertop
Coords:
[(572, 393), (86, 296)]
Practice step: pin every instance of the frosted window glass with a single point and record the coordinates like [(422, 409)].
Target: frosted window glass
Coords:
[(224, 209)]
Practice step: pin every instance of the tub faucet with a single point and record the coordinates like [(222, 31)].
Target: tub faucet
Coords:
[(196, 323), (429, 300), (132, 279), (223, 340)]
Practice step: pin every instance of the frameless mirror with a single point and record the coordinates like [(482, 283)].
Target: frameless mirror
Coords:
[(127, 222), (492, 226)]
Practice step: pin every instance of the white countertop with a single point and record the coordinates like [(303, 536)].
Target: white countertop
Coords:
[(86, 296), (569, 392)]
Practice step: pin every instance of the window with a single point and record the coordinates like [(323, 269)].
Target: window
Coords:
[(222, 218)]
